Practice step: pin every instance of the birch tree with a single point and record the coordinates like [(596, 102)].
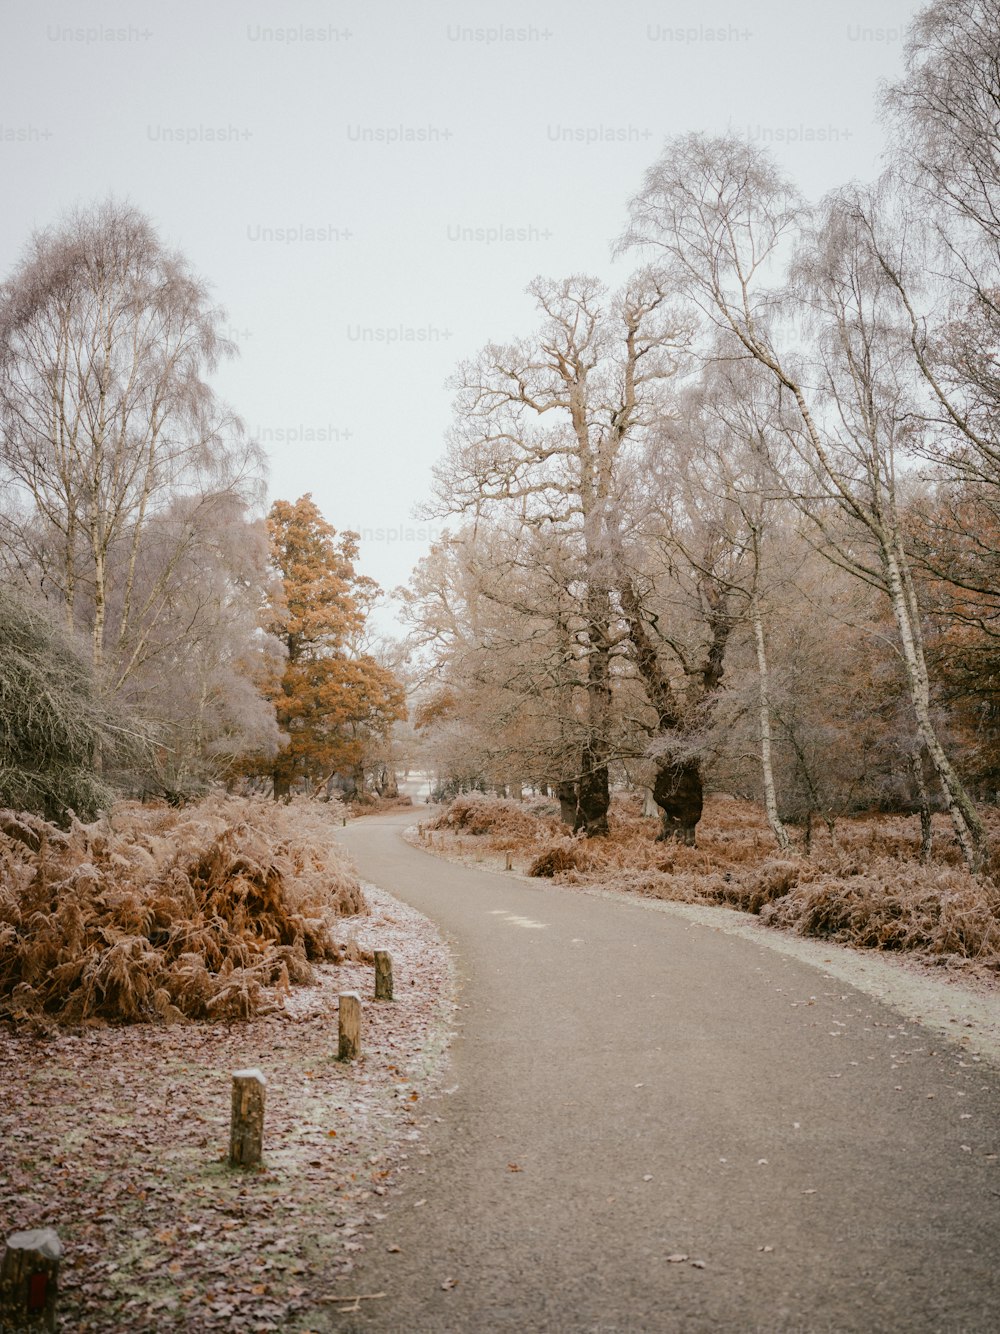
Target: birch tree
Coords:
[(106, 417), (723, 222)]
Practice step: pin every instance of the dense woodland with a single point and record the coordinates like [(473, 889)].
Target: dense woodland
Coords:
[(734, 525)]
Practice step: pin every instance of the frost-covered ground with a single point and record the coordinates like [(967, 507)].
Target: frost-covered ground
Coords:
[(117, 1137)]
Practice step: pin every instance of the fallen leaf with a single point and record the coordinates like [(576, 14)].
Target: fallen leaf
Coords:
[(697, 1264), (513, 1167), (676, 1259)]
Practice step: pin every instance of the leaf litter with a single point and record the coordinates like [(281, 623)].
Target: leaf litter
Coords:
[(117, 1136)]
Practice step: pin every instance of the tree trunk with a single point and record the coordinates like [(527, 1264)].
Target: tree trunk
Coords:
[(678, 793), (964, 817), (568, 803), (677, 787), (594, 788), (924, 806), (767, 771), (595, 793)]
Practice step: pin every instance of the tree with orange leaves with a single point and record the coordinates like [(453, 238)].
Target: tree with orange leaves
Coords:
[(332, 697)]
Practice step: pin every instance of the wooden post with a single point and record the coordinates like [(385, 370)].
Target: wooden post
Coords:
[(383, 975), (510, 864), (350, 1026), (29, 1280), (246, 1131)]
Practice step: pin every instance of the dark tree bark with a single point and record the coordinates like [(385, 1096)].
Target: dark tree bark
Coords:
[(568, 803), (678, 792), (678, 788), (595, 794)]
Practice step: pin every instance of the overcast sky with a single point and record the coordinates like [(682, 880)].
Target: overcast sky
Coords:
[(370, 188)]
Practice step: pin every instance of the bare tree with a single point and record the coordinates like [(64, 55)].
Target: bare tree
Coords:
[(723, 220), (542, 429), (495, 616), (741, 464), (677, 574), (105, 419)]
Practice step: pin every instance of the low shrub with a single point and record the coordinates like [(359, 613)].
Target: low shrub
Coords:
[(508, 823), (559, 858), (937, 911), (751, 890), (153, 913)]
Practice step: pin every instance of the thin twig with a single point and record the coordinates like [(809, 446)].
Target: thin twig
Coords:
[(361, 1297)]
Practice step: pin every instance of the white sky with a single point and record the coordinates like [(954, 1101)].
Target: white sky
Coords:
[(545, 132)]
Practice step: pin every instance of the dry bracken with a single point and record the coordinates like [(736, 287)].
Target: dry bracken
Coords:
[(212, 911)]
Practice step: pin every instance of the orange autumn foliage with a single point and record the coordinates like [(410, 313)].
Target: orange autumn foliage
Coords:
[(332, 697)]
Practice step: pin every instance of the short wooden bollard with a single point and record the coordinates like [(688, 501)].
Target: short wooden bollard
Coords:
[(29, 1280), (350, 1026), (246, 1131), (383, 975)]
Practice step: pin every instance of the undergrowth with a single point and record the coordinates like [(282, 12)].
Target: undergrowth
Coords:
[(863, 885), (213, 911), (509, 824)]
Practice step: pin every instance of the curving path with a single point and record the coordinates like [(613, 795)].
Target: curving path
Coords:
[(667, 1089)]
